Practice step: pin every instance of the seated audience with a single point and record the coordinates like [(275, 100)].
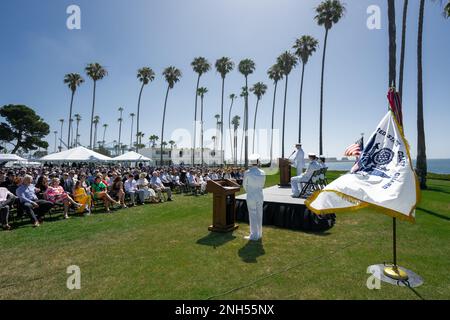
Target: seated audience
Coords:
[(7, 199), (100, 191), (30, 203), (57, 195)]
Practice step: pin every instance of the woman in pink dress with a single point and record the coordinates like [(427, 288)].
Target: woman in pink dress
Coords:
[(56, 194)]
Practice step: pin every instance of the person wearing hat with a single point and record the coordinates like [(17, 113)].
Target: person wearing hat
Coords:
[(254, 180), (298, 158), (297, 181)]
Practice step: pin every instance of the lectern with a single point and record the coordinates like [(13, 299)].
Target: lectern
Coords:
[(285, 172), (224, 204)]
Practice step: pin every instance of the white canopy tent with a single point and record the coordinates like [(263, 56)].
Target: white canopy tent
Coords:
[(78, 154), (131, 156), (11, 157)]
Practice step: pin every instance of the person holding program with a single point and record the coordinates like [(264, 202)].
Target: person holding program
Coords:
[(254, 180)]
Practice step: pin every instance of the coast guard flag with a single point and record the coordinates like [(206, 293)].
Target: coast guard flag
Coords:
[(384, 178)]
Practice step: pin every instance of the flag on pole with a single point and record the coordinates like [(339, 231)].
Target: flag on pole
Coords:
[(384, 178), (354, 150)]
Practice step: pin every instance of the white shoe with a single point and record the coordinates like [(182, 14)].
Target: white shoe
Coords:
[(250, 238)]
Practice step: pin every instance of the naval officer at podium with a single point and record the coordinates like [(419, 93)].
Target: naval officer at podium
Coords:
[(297, 158), (254, 180)]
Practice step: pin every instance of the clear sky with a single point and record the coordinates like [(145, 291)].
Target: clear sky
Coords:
[(38, 50)]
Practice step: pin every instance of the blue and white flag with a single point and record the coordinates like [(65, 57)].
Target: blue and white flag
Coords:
[(383, 178)]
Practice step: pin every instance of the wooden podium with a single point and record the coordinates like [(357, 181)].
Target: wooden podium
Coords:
[(285, 172), (224, 204)]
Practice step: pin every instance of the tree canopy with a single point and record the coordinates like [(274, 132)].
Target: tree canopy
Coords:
[(23, 128)]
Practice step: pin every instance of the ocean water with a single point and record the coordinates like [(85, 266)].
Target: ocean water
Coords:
[(434, 165)]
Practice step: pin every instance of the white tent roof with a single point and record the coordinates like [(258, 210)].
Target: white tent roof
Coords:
[(11, 157), (77, 154), (131, 156)]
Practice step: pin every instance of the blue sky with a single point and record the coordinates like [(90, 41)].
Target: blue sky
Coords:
[(38, 50)]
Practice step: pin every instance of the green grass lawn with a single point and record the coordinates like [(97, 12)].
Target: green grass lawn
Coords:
[(164, 251)]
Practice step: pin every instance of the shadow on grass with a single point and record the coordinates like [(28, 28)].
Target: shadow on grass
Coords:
[(434, 189), (441, 216), (251, 251), (214, 239)]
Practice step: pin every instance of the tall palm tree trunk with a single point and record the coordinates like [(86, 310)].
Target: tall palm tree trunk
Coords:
[(92, 115), (195, 121), (120, 136), (201, 128), (246, 124), (163, 122), (284, 116), (137, 117), (402, 53), (104, 134), (392, 43), (70, 118), (76, 139), (321, 93), (95, 135), (254, 126), (300, 106), (222, 151), (131, 137), (235, 147), (229, 129), (421, 165), (61, 136), (273, 120)]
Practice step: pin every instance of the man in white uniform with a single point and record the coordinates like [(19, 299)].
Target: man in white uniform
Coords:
[(298, 160), (303, 178), (254, 180)]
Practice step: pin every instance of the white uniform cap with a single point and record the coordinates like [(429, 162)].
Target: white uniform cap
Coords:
[(253, 158), (312, 154)]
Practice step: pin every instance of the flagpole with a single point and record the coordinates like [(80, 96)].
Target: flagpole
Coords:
[(393, 271)]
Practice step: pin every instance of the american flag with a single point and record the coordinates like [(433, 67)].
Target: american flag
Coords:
[(355, 149)]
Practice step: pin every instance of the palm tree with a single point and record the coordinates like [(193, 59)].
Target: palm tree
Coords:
[(104, 134), (217, 117), (402, 53), (96, 72), (56, 142), (95, 122), (304, 47), (201, 92), (232, 97), (244, 94), (213, 138), (73, 81), (77, 119), (60, 135), (246, 67), (153, 138), (200, 66), (172, 144), (224, 66), (421, 163), (392, 43), (132, 115), (145, 75), (447, 10), (259, 89), (275, 74), (120, 126), (287, 61), (69, 146), (172, 76), (329, 12), (235, 122)]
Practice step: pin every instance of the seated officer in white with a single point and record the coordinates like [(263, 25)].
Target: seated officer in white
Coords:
[(303, 178), (253, 183)]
